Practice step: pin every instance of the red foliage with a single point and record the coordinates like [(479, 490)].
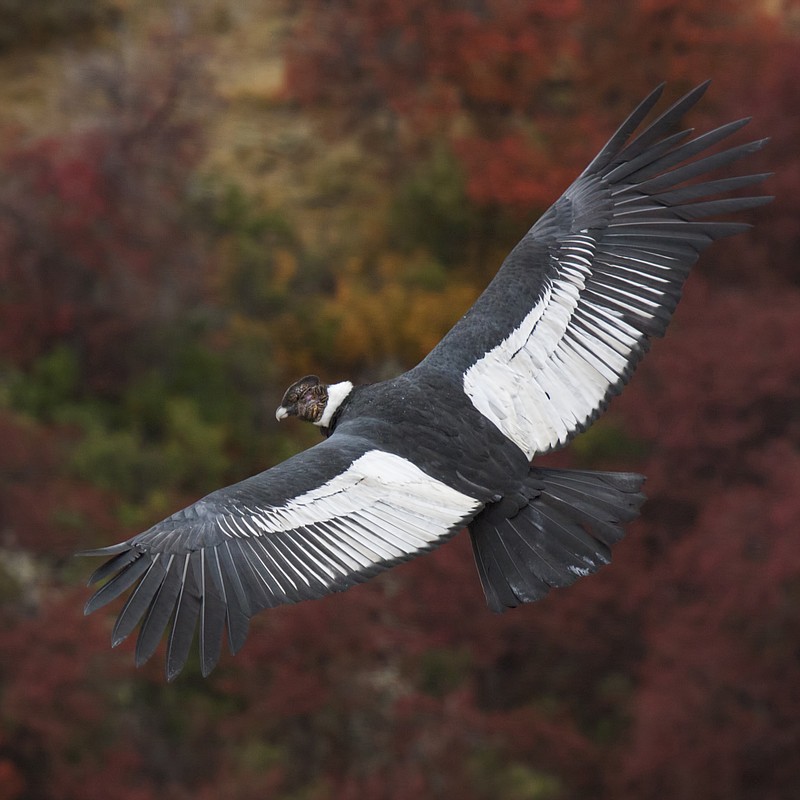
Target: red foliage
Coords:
[(499, 172), (50, 704), (41, 511), (713, 716), (427, 59), (511, 83), (12, 784), (473, 73)]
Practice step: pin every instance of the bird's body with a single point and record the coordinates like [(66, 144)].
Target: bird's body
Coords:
[(422, 415), (408, 462)]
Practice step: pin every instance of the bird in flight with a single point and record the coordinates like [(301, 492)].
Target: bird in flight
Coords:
[(407, 463)]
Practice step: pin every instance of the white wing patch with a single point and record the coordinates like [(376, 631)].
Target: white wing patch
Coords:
[(381, 508), (552, 373)]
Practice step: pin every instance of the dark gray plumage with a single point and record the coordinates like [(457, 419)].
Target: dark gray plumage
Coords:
[(410, 461)]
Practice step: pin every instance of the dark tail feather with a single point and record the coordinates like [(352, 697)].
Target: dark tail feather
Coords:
[(563, 533)]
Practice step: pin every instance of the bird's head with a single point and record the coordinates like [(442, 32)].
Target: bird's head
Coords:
[(305, 399), (313, 401)]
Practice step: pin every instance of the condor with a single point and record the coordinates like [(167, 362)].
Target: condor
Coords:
[(407, 463)]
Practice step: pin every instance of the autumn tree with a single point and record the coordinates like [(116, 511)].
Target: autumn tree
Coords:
[(93, 241)]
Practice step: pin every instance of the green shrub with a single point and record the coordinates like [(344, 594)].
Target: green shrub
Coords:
[(190, 456), (431, 210), (52, 381)]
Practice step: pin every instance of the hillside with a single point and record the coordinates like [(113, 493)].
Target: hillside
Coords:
[(202, 201)]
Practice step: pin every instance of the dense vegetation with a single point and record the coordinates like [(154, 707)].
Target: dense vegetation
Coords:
[(154, 305)]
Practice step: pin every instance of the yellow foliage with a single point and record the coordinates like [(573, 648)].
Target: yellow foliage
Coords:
[(378, 315)]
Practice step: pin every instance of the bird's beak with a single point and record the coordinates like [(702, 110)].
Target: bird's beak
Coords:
[(281, 413)]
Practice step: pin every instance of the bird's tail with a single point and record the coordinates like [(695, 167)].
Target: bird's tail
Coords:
[(562, 533)]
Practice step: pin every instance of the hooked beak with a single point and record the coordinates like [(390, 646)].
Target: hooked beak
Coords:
[(281, 413)]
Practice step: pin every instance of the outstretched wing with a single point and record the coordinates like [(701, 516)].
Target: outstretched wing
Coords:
[(561, 327), (331, 517)]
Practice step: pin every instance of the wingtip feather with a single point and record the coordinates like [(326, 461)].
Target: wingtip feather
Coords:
[(101, 552)]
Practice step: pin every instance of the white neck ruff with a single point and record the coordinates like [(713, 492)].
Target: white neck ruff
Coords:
[(336, 395)]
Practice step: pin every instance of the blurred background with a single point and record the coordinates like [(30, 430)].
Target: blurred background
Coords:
[(201, 201)]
